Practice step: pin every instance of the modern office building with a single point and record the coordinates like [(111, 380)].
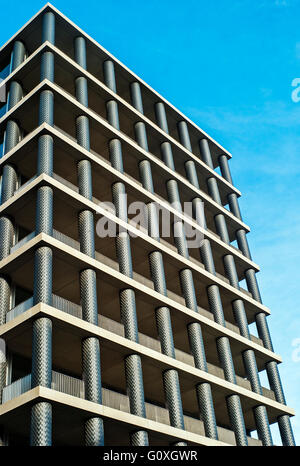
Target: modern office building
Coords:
[(135, 337)]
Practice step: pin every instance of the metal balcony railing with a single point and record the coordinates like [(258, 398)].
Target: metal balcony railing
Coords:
[(66, 306), (22, 241), (75, 387), (60, 382), (66, 239), (19, 309), (57, 301), (16, 388), (24, 184)]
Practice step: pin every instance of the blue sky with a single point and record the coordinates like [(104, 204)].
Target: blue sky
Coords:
[(229, 67)]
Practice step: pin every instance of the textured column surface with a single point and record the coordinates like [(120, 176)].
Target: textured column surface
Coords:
[(163, 318), (93, 427), (4, 298), (9, 182), (132, 363), (237, 419), (207, 411), (6, 236), (44, 211), (15, 94), (46, 108), (173, 398), (47, 66), (184, 135), (41, 425), (45, 155), (135, 386), (12, 135), (86, 232), (91, 369), (260, 412), (48, 27), (3, 365), (194, 331), (42, 284), (88, 294), (41, 352), (80, 51), (94, 432), (18, 54)]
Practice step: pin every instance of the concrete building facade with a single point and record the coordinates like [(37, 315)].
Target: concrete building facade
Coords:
[(131, 338)]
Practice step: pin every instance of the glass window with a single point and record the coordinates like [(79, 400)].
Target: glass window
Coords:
[(2, 109), (5, 71)]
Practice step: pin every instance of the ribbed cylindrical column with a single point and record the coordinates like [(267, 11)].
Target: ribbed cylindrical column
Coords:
[(44, 211), (252, 284), (42, 353), (46, 108), (237, 419), (88, 294), (41, 413), (9, 182), (260, 412), (86, 232), (225, 171), (3, 362), (163, 318), (243, 243), (48, 27), (184, 136), (6, 236), (18, 54), (42, 285), (286, 432), (232, 197), (12, 133), (41, 425), (203, 390), (214, 298), (47, 66), (91, 367), (4, 298), (45, 155), (263, 332), (48, 34), (133, 365), (15, 94)]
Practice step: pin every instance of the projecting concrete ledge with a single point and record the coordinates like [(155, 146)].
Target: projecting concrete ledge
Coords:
[(85, 407)]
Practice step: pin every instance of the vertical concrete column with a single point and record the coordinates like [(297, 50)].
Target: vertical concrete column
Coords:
[(4, 298), (13, 132), (162, 314), (41, 424), (6, 235), (3, 368), (44, 205), (45, 155), (91, 367), (232, 198), (262, 328), (48, 34), (260, 413), (215, 303), (41, 412), (133, 364), (203, 390)]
